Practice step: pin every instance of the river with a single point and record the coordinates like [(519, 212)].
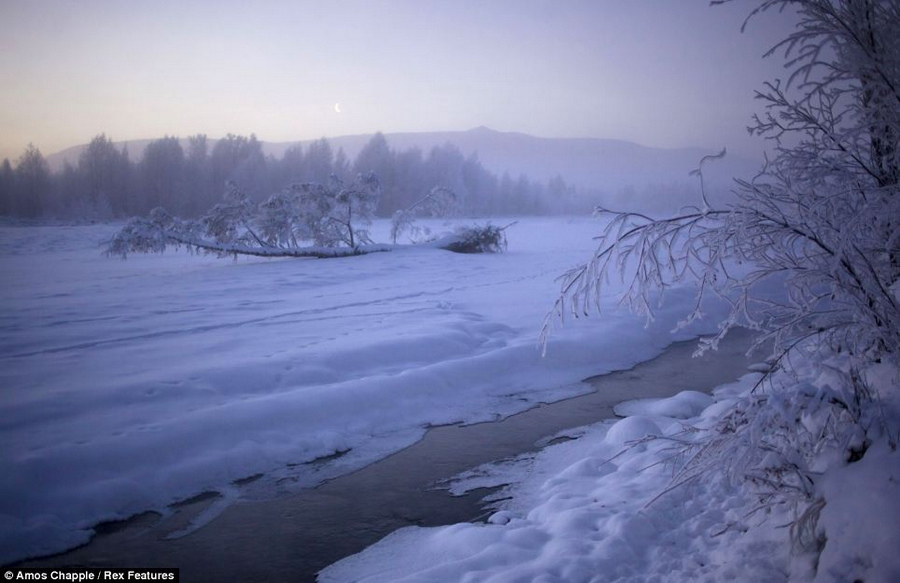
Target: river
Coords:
[(291, 538)]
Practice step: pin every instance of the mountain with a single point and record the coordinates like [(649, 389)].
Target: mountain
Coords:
[(593, 163)]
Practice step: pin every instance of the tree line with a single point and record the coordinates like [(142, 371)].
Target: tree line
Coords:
[(188, 177)]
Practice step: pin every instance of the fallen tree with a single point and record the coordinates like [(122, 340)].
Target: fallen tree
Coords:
[(306, 220)]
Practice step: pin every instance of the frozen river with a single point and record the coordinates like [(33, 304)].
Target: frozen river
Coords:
[(129, 386)]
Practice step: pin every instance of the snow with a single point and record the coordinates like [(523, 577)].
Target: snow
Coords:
[(590, 509), (603, 507), (682, 406), (632, 429), (864, 548), (131, 385)]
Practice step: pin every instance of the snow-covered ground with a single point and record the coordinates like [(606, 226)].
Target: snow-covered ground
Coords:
[(130, 385), (608, 506)]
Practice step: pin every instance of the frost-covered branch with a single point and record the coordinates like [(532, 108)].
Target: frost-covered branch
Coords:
[(438, 202)]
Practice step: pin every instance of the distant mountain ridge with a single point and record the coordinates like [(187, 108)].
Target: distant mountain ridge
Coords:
[(594, 163)]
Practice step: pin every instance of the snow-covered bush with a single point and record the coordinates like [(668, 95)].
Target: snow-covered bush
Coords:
[(809, 255), (437, 203), (476, 239)]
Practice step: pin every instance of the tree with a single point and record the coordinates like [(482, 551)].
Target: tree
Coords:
[(376, 156), (348, 209), (409, 178), (104, 172), (437, 202), (480, 185), (341, 166), (252, 170), (70, 185), (319, 161), (32, 183), (162, 174), (293, 166), (521, 195), (238, 159), (7, 188), (332, 217), (822, 222), (444, 167), (558, 192), (197, 179)]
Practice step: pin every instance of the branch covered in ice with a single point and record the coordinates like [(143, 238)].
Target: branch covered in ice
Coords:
[(437, 203)]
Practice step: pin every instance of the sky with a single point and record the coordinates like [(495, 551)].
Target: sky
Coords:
[(665, 73)]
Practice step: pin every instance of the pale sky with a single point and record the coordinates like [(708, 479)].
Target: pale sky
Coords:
[(665, 73)]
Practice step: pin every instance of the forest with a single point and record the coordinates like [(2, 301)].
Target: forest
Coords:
[(187, 177)]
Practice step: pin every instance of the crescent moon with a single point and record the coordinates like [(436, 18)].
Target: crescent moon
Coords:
[(337, 108)]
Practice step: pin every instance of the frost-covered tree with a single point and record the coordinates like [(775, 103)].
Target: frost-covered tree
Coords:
[(820, 223), (319, 161), (341, 166), (231, 221), (293, 165), (306, 220), (161, 172), (103, 171), (438, 202), (31, 183), (822, 215), (236, 158), (7, 192), (197, 179), (341, 212), (376, 156)]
